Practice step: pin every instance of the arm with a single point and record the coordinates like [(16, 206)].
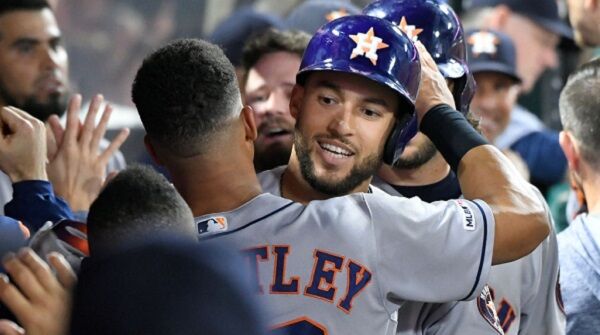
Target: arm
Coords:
[(23, 159), (483, 171)]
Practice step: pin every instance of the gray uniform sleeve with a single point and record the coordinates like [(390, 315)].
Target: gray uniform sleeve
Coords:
[(541, 312), (435, 252)]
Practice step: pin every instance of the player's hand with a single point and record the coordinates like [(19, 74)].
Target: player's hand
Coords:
[(22, 145), (433, 90), (40, 301), (78, 168)]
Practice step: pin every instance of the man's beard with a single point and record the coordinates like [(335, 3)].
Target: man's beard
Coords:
[(360, 172), (56, 105), (426, 151)]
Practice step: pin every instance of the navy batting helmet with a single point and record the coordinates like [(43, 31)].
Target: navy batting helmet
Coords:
[(375, 49), (436, 25)]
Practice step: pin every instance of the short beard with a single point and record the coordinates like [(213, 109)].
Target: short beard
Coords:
[(423, 155), (56, 105), (359, 173), (271, 157)]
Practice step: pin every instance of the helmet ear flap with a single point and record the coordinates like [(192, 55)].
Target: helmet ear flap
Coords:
[(405, 128)]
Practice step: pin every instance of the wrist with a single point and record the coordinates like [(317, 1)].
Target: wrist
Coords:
[(451, 133), (30, 175)]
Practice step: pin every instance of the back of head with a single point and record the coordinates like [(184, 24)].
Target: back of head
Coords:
[(273, 40), (186, 93), (165, 286), (137, 204), (580, 110), (7, 6)]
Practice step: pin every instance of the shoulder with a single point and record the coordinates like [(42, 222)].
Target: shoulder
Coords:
[(270, 180)]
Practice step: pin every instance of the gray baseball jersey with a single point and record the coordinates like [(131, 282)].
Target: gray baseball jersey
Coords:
[(524, 293), (345, 265), (415, 317)]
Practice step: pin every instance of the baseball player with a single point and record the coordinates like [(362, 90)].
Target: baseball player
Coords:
[(524, 291), (345, 265)]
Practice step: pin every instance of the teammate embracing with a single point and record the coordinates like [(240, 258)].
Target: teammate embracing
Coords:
[(345, 265)]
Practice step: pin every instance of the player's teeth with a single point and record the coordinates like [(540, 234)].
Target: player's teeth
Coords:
[(335, 149)]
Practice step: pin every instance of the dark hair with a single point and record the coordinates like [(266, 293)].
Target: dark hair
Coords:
[(185, 92), (138, 203), (580, 109), (14, 5), (273, 40)]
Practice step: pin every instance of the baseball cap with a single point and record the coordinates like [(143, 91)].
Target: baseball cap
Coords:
[(232, 33), (312, 14), (543, 12), (491, 51)]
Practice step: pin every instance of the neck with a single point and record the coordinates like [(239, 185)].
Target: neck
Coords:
[(296, 188), (592, 192), (215, 183), (429, 173)]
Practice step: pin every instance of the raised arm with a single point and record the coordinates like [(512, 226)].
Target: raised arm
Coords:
[(483, 171)]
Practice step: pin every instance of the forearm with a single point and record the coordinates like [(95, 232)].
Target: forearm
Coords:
[(485, 173), (34, 203)]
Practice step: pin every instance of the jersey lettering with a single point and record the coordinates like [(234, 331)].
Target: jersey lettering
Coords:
[(506, 314), (256, 255), (300, 326), (280, 286), (358, 278), (325, 269), (322, 283)]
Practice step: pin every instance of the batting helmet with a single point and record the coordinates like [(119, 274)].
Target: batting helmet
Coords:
[(436, 25), (375, 49)]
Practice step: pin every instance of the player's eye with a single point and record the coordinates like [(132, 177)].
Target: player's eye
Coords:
[(327, 100), (370, 113)]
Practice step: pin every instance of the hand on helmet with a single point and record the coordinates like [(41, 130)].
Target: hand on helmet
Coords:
[(433, 90)]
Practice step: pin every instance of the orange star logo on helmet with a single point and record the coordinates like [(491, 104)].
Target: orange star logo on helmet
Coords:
[(483, 42), (410, 30), (336, 14), (367, 45)]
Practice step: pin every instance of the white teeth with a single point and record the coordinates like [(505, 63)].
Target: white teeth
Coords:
[(335, 149), (275, 130)]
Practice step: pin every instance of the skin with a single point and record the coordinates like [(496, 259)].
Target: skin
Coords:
[(583, 173), (33, 61), (337, 111), (584, 16), (493, 102), (535, 46), (268, 90)]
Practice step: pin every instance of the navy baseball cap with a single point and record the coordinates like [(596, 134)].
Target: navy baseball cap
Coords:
[(311, 15), (543, 12), (231, 34), (491, 51)]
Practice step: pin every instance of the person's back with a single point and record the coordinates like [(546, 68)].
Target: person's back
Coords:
[(580, 242)]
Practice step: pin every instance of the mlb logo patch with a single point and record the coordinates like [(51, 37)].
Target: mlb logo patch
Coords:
[(213, 224), (468, 217)]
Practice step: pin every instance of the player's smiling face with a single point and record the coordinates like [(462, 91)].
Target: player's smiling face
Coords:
[(342, 122)]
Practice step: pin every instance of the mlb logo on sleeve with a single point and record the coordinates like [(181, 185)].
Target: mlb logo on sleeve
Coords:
[(468, 218), (213, 224)]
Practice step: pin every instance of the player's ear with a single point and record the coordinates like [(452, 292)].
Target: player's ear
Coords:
[(296, 100), (570, 149), (151, 150), (247, 116)]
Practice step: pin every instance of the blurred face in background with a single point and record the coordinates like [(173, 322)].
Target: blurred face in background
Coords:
[(535, 47), (493, 102), (33, 63), (267, 90), (585, 20)]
